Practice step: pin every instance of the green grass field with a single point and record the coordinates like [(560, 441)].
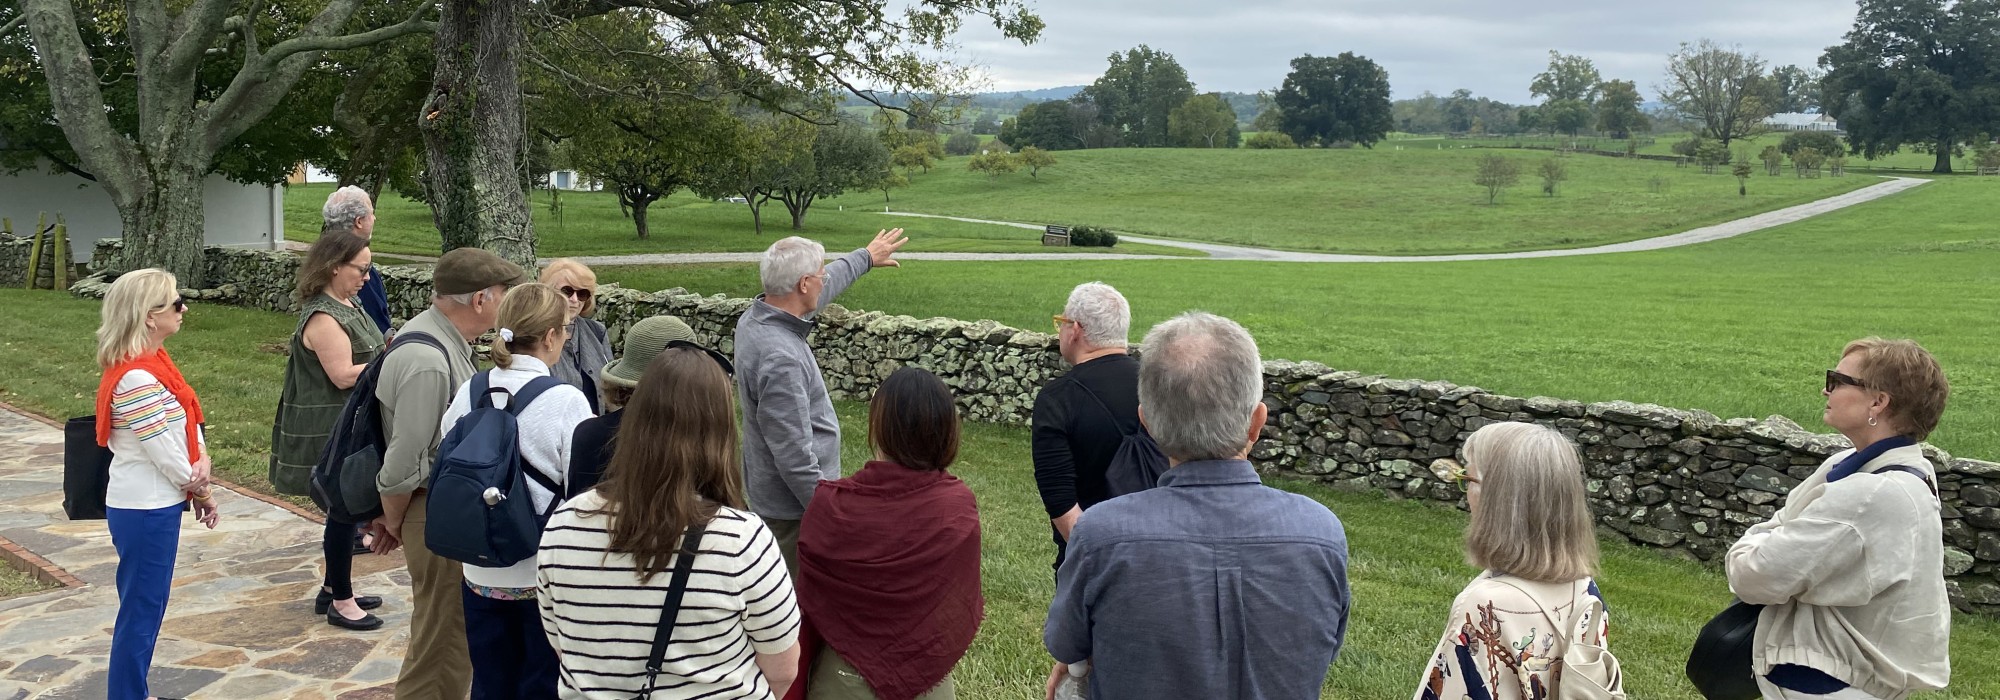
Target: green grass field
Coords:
[(1904, 161), (1414, 201), (592, 225), (1740, 327), (1405, 559)]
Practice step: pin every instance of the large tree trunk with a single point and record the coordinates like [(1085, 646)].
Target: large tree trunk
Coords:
[(472, 127), (1943, 166), (164, 226)]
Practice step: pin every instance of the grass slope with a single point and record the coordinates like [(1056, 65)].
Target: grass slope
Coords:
[(591, 224), (1740, 327), (1400, 202), (1405, 563), (1905, 161)]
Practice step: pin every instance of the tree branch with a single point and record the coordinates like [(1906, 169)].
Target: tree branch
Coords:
[(61, 164), (13, 24), (257, 89), (193, 33), (415, 24)]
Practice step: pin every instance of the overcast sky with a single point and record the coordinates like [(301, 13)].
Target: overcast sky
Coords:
[(1492, 48)]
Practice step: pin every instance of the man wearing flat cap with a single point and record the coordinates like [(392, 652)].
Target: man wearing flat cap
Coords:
[(416, 385)]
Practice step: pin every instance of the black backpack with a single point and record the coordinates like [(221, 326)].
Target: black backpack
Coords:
[(343, 482), (1138, 463)]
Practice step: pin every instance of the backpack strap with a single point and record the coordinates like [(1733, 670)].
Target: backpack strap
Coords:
[(1107, 410), (1912, 471), (671, 610), (530, 391)]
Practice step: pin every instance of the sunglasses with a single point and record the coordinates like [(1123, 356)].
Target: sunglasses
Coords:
[(179, 305), (727, 368), (578, 293), (1834, 380)]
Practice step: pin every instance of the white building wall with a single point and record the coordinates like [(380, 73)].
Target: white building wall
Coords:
[(250, 216)]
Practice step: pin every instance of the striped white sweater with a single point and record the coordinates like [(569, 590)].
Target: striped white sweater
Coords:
[(149, 450), (600, 617)]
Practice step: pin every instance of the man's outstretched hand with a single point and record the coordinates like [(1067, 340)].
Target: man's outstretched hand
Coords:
[(884, 247)]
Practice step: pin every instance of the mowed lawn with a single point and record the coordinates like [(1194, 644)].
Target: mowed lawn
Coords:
[(590, 223), (1907, 160), (1418, 200), (1741, 327), (1405, 561)]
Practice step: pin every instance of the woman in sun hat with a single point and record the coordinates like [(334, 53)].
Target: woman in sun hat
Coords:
[(591, 447)]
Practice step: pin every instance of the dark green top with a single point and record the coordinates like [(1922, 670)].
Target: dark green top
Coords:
[(311, 403)]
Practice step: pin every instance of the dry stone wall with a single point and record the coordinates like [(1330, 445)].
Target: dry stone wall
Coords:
[(1681, 480)]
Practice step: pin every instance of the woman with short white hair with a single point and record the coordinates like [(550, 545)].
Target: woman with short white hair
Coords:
[(150, 418), (1532, 534)]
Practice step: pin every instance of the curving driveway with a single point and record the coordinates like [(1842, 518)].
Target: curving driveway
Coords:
[(1217, 251)]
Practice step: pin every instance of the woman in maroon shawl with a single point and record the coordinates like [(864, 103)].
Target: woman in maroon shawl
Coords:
[(889, 557)]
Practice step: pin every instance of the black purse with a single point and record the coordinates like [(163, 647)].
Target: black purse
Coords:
[(86, 470), (1719, 665)]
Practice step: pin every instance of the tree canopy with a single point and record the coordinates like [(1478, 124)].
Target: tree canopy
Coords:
[(1204, 121), (1330, 100), (1918, 73), (1722, 88), (1138, 92)]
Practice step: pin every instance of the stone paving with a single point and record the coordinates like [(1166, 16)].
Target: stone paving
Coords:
[(239, 623)]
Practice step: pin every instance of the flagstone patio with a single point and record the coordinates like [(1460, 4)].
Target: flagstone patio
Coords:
[(239, 624)]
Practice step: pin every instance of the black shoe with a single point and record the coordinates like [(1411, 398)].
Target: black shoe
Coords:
[(325, 601), (366, 623)]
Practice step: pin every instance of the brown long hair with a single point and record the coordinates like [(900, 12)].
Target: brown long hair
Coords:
[(675, 460), (323, 259)]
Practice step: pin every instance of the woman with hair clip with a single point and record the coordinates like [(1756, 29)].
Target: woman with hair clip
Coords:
[(616, 573), (510, 656)]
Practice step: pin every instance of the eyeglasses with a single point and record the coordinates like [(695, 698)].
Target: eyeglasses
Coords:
[(578, 293), (1062, 320), (179, 305), (1834, 379), (727, 368), (357, 267)]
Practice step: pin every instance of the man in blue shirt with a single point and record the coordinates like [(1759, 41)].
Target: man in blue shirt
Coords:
[(348, 210), (1211, 585)]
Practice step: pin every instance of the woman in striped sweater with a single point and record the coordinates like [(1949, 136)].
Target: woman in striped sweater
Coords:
[(149, 417), (607, 556)]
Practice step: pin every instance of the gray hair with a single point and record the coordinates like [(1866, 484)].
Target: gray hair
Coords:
[(788, 260), (465, 299), (1200, 380), (1102, 311), (1533, 520), (345, 207)]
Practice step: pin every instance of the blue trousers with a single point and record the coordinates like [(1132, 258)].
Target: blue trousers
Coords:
[(511, 656), (147, 541)]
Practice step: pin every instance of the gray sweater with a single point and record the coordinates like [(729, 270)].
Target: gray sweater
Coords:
[(791, 437)]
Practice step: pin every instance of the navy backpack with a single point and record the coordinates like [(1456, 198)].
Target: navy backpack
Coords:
[(481, 512)]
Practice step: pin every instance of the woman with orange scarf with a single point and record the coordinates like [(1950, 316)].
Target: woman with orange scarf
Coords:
[(150, 418), (889, 557)]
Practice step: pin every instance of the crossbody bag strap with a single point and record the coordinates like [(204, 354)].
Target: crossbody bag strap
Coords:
[(671, 610), (1554, 629), (1107, 407), (1913, 471)]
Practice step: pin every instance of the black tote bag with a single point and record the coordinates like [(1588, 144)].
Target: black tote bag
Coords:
[(86, 470), (1719, 665)]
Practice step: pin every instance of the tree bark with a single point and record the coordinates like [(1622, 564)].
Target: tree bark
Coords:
[(163, 228), (1943, 166), (472, 130), (756, 210)]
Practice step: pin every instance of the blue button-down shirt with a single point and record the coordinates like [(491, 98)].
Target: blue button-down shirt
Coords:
[(1211, 586)]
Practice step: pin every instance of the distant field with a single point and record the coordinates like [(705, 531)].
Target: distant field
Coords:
[(1740, 327), (1417, 200), (591, 224), (1907, 159)]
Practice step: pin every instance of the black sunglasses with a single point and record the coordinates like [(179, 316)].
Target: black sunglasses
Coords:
[(179, 304), (1834, 379), (580, 293), (727, 368)]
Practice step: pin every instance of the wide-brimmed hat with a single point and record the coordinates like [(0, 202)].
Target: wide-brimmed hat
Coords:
[(643, 342)]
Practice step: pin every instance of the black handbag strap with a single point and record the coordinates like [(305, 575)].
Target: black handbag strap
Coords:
[(671, 610), (1913, 471)]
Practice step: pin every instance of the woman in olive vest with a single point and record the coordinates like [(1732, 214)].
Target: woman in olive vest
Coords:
[(334, 341)]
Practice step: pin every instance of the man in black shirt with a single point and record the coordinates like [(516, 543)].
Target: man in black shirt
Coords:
[(1081, 418)]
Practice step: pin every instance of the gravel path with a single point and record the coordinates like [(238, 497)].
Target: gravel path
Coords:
[(1217, 251)]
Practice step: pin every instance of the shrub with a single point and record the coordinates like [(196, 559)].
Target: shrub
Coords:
[(1496, 173), (961, 144), (994, 163), (1773, 160), (1690, 147), (1821, 142), (1553, 172), (1269, 140), (1093, 236)]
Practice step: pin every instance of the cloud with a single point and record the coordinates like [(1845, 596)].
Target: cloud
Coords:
[(1493, 49)]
